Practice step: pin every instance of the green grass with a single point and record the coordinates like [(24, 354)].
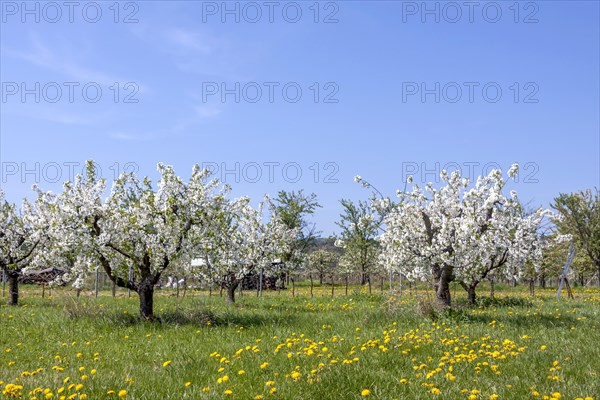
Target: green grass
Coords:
[(316, 348)]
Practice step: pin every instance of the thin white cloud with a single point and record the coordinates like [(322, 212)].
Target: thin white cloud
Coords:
[(190, 40), (129, 136), (55, 114), (204, 112), (180, 126), (62, 61)]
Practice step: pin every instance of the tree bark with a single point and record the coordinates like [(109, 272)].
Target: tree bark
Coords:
[(598, 267), (346, 285), (231, 294), (443, 294), (470, 289), (232, 285), (471, 296), (146, 293), (311, 285), (13, 288), (532, 287), (442, 276), (363, 278), (332, 286)]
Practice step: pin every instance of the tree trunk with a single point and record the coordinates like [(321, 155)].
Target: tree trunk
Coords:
[(346, 285), (543, 282), (231, 292), (293, 287), (321, 279), (369, 281), (332, 285), (400, 278), (442, 294), (260, 283), (231, 295), (442, 285), (13, 288), (532, 287), (471, 295), (470, 289), (311, 284), (598, 267), (146, 293)]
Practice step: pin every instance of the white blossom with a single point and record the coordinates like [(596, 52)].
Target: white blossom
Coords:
[(513, 170)]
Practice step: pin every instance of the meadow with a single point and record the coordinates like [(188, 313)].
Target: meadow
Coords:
[(353, 346)]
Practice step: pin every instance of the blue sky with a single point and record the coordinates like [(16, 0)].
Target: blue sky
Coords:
[(265, 91)]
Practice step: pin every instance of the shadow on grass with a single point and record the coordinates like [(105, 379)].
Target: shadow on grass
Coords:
[(504, 302), (528, 321), (510, 311), (195, 314)]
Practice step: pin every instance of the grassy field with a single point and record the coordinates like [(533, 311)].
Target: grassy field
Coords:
[(347, 347)]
